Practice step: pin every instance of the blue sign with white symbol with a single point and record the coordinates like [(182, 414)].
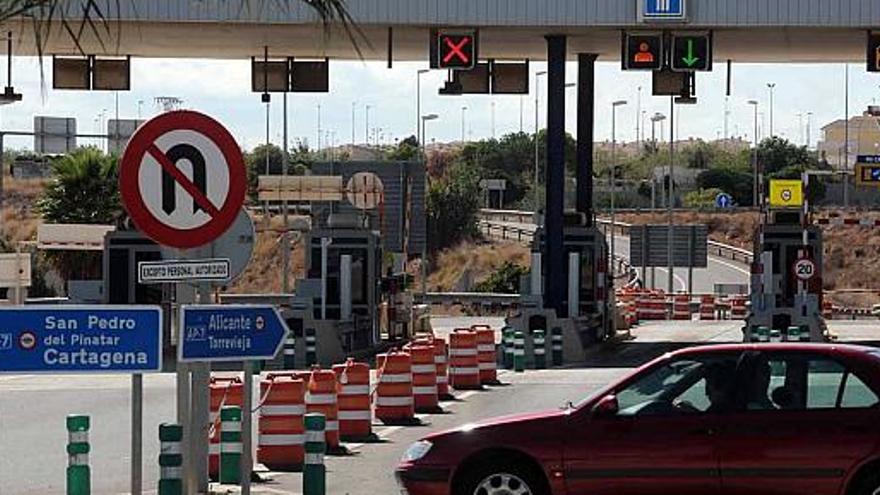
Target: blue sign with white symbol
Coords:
[(230, 333), (81, 339), (663, 9), (723, 200), (872, 159)]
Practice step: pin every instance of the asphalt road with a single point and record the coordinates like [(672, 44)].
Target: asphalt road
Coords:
[(718, 271), (33, 408)]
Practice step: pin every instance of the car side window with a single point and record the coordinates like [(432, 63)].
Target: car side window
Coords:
[(857, 395), (804, 382), (683, 386)]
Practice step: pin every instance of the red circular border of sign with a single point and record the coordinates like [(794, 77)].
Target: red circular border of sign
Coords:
[(795, 265), (129, 170)]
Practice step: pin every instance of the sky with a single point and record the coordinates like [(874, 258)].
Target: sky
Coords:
[(221, 88)]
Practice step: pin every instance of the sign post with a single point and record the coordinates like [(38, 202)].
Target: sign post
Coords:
[(185, 212)]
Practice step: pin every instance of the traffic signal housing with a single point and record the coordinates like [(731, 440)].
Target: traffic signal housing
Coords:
[(642, 51), (691, 52)]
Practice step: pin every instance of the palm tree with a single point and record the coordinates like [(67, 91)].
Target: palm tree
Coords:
[(79, 17), (83, 190)]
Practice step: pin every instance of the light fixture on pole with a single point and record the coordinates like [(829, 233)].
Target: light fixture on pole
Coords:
[(464, 110), (367, 124), (612, 174), (424, 262), (419, 74), (537, 197), (756, 189), (771, 87)]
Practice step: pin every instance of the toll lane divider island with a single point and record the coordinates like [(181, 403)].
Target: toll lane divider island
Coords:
[(81, 339)]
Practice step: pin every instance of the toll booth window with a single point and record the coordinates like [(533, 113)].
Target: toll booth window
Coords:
[(358, 282), (587, 272), (144, 293)]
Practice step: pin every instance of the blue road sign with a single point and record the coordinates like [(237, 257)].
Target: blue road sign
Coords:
[(663, 9), (81, 339), (723, 200), (230, 333)]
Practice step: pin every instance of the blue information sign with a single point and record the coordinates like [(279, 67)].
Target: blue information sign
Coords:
[(723, 200), (663, 9), (230, 333), (872, 159), (81, 339)]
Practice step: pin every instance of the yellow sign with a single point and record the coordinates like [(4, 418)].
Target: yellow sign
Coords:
[(786, 193)]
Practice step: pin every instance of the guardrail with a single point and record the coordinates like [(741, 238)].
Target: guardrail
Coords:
[(495, 223)]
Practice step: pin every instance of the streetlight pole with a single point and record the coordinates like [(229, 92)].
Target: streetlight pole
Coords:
[(463, 123), (846, 139), (353, 108), (669, 262), (537, 195), (492, 110), (319, 128), (809, 128), (755, 177), (367, 125), (612, 175), (639, 119), (771, 87), (419, 96), (424, 263)]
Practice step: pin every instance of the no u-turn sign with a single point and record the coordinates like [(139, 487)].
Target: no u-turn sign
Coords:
[(182, 179)]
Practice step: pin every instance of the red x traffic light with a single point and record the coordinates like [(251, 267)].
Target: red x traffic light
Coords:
[(456, 50)]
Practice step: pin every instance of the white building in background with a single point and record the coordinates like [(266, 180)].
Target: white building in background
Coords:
[(864, 139)]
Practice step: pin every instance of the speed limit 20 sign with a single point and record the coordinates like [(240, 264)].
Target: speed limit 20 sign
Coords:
[(182, 179), (804, 269)]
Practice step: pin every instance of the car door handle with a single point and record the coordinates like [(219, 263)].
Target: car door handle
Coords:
[(703, 431)]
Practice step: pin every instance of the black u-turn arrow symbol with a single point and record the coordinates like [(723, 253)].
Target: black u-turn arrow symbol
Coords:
[(199, 178)]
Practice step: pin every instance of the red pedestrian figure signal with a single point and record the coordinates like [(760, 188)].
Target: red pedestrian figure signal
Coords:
[(456, 51)]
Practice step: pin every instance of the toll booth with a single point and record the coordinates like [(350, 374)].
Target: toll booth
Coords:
[(587, 291), (122, 253), (343, 265), (785, 307)]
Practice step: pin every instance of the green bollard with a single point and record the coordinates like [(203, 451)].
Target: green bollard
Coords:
[(519, 352), (539, 346), (762, 334), (314, 471), (290, 352), (230, 445), (170, 459), (311, 347), (507, 333), (556, 341), (79, 476)]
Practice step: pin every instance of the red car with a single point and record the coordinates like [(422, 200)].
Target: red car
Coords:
[(786, 419)]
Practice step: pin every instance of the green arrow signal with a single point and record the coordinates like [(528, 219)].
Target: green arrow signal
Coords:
[(690, 60)]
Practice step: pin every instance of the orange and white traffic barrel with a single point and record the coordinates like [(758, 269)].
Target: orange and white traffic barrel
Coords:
[(394, 393), (224, 391), (681, 307), (280, 446), (738, 310), (353, 397), (321, 398), (424, 377), (464, 365), (487, 357), (442, 363), (827, 310), (707, 307)]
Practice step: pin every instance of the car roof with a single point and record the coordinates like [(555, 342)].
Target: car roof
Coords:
[(849, 350)]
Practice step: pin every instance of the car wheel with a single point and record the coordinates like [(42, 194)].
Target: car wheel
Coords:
[(501, 478), (869, 485)]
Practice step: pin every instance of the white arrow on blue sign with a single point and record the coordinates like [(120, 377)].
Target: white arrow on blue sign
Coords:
[(81, 339), (230, 333), (723, 200), (663, 9)]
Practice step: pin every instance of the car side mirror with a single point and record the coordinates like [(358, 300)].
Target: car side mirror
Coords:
[(606, 407)]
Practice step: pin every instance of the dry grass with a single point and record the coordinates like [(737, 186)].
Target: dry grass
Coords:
[(19, 216), (473, 261), (264, 273)]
